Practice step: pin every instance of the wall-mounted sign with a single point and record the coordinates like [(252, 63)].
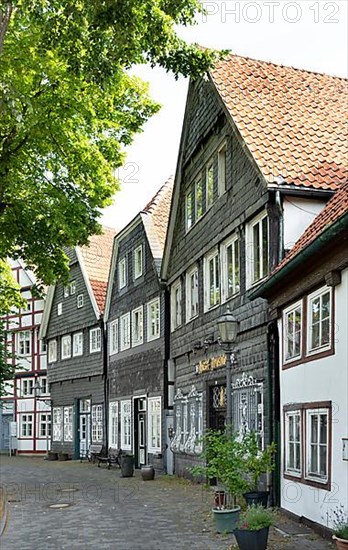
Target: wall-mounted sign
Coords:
[(211, 364)]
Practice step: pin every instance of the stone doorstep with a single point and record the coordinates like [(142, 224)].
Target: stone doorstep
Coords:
[(288, 527)]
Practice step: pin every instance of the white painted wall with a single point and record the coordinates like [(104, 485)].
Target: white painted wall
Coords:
[(298, 214), (322, 380)]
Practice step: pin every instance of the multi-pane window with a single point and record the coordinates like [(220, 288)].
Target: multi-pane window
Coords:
[(72, 287), (292, 326), (198, 198), (222, 170), (137, 326), (317, 444), (43, 386), (78, 344), (68, 423), (66, 291), (45, 425), (155, 428), (125, 331), (79, 300), (211, 280), (138, 262), (230, 268), (52, 351), (188, 211), (94, 340), (257, 249), (192, 294), (209, 185), (319, 320), (57, 424), (113, 424), (60, 308), (28, 386), (293, 450), (122, 273), (113, 332), (97, 423), (24, 343), (126, 432), (66, 346), (176, 319), (26, 425), (153, 319)]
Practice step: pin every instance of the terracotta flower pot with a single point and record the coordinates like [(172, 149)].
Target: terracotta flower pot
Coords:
[(341, 544)]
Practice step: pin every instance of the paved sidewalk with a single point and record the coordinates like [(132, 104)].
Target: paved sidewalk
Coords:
[(58, 505)]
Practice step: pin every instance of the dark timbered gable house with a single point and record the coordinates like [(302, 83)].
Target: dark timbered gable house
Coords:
[(262, 150), (138, 337), (73, 328)]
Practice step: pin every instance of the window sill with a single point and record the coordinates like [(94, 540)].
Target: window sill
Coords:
[(325, 485), (308, 359), (153, 338), (211, 308), (191, 319)]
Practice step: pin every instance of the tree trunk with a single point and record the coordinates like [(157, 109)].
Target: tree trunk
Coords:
[(5, 16)]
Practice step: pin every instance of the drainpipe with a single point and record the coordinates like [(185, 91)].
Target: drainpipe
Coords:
[(281, 226), (273, 395)]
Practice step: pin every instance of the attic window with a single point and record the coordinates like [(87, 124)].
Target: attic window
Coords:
[(122, 273), (138, 262), (80, 300), (72, 287), (59, 308)]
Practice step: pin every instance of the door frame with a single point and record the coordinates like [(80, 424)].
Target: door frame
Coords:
[(135, 400)]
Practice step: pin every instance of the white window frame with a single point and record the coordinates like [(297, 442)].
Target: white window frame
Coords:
[(27, 387), (77, 344), (60, 308), (97, 423), (72, 287), (212, 255), (27, 421), (43, 385), (24, 341), (311, 476), (192, 294), (222, 158), (66, 339), (65, 291), (122, 273), (291, 310), (153, 319), (210, 165), (52, 351), (126, 425), (113, 332), (188, 211), (154, 417), (113, 424), (198, 182), (57, 424), (310, 298), (176, 305), (249, 253), (137, 328), (125, 332), (68, 423), (44, 420), (231, 241), (138, 265), (79, 301), (294, 414), (95, 340)]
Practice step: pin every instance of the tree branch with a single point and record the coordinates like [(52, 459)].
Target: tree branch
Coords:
[(5, 16)]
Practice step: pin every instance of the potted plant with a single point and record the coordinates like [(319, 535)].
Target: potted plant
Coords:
[(340, 528), (223, 462), (257, 462), (253, 527)]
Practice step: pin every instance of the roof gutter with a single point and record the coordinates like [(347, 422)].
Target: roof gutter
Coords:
[(332, 231)]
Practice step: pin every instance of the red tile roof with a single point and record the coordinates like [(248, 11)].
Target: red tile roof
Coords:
[(333, 211), (159, 208), (96, 257), (293, 121)]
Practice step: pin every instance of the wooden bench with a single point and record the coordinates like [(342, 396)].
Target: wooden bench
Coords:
[(94, 451), (113, 457)]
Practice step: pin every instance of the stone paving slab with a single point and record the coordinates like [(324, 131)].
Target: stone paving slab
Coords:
[(96, 508)]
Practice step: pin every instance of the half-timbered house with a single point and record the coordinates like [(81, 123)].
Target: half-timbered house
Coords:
[(73, 328), (262, 150), (138, 337)]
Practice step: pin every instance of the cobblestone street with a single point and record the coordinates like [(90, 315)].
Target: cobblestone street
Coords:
[(58, 505)]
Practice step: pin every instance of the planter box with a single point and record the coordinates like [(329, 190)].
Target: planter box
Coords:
[(252, 540)]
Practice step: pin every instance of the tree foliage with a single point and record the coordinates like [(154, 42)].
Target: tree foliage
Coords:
[(69, 106)]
